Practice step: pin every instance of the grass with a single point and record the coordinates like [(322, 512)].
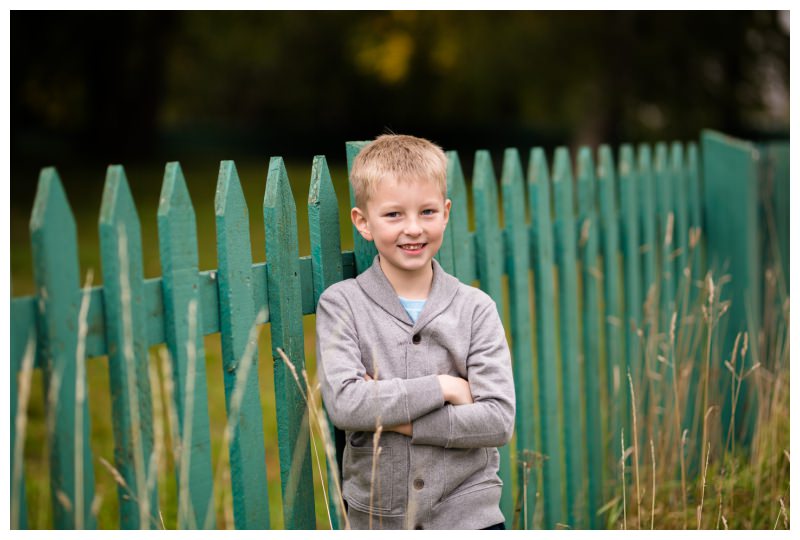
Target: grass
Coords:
[(722, 485)]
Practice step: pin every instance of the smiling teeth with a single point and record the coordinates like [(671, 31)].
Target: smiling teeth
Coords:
[(412, 246)]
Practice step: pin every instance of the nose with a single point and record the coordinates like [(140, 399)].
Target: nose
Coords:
[(412, 227)]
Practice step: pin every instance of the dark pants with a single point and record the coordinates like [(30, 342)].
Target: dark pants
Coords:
[(497, 527)]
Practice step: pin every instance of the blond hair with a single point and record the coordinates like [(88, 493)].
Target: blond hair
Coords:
[(399, 157)]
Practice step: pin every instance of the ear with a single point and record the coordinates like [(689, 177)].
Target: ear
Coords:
[(447, 204), (360, 222)]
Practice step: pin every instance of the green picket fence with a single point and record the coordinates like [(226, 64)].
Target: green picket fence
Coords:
[(589, 270)]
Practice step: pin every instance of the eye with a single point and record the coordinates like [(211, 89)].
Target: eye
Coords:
[(391, 214), (428, 212)]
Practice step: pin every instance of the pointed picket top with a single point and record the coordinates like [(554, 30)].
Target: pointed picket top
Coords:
[(229, 199), (117, 203), (278, 195), (562, 168), (323, 225), (51, 208), (174, 193), (457, 234)]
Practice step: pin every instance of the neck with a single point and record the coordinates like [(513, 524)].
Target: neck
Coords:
[(413, 285)]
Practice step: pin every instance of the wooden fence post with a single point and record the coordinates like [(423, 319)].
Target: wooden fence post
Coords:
[(489, 252), (239, 356), (549, 409), (126, 338), (177, 236), (564, 232), (54, 249), (286, 318), (589, 246), (326, 263), (517, 258)]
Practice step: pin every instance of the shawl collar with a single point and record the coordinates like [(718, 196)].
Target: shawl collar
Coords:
[(375, 285)]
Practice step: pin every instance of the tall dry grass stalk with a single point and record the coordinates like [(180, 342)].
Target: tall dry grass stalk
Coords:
[(316, 414), (635, 452), (186, 516), (80, 397), (143, 499), (21, 424)]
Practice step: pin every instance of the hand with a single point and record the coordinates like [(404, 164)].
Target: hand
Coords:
[(404, 429), (455, 390)]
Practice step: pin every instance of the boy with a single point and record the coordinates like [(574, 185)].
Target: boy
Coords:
[(408, 351)]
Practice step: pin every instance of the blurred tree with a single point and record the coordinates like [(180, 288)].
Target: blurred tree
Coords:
[(124, 84)]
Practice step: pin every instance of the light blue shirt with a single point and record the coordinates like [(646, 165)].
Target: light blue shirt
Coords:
[(412, 307)]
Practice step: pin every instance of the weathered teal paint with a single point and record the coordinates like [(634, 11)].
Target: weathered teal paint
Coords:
[(177, 238), (457, 233), (489, 252), (680, 180), (548, 385), (326, 262), (648, 222), (240, 363), (616, 364), (54, 249), (365, 251), (666, 234), (126, 338), (574, 444), (629, 196), (589, 247), (731, 166), (286, 317), (696, 255), (517, 257)]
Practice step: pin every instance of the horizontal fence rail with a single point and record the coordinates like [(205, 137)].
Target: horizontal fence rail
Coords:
[(596, 266)]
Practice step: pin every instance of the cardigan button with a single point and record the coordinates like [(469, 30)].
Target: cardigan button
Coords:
[(419, 483), (418, 527), (416, 339)]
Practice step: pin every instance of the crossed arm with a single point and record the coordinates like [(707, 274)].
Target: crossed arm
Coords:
[(437, 410)]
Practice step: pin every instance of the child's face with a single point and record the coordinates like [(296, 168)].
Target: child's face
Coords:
[(406, 220)]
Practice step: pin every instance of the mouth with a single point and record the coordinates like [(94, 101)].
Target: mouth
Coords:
[(412, 248)]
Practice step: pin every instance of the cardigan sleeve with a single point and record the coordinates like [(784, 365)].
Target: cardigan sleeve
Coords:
[(489, 421), (353, 403)]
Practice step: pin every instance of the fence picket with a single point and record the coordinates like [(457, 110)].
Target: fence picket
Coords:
[(695, 219), (589, 246), (177, 235), (549, 409), (574, 445), (365, 251), (629, 195), (681, 207), (666, 233), (126, 338), (616, 364), (517, 257), (489, 249), (326, 261), (286, 317), (54, 250), (240, 373), (457, 233)]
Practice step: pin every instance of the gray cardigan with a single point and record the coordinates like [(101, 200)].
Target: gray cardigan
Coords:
[(445, 476)]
